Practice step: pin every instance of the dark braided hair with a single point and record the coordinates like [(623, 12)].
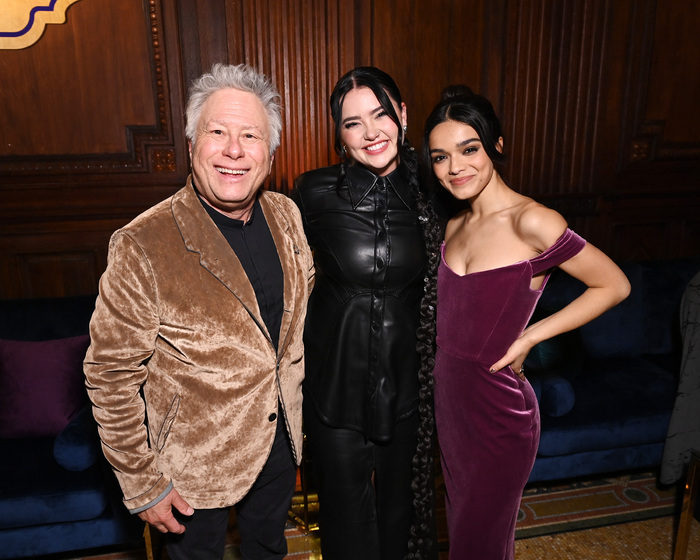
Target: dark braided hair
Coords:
[(458, 103), (385, 89), (420, 544)]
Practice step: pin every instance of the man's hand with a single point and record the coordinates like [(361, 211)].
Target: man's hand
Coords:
[(161, 515)]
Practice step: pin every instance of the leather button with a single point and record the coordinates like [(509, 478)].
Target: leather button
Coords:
[(272, 417)]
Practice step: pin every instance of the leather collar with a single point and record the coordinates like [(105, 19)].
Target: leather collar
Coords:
[(361, 181)]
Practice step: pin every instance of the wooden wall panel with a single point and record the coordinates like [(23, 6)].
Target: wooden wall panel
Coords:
[(304, 47), (552, 91), (92, 135), (645, 229), (203, 35), (662, 135), (68, 69), (588, 95), (426, 46), (673, 88), (597, 98), (95, 111)]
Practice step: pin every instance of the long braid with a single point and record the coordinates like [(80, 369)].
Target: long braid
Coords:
[(420, 545)]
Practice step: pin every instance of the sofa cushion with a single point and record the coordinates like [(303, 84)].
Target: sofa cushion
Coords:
[(620, 402), (550, 367), (41, 385), (35, 490), (556, 394), (619, 331), (562, 355), (77, 447)]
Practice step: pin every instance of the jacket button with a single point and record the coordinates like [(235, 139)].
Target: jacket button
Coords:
[(272, 417)]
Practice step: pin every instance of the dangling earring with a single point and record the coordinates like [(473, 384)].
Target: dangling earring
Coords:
[(343, 151), (405, 128)]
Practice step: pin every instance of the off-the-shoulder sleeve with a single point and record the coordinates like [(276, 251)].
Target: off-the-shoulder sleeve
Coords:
[(568, 245)]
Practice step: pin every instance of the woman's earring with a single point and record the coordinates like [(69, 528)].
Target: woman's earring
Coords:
[(343, 151), (405, 128)]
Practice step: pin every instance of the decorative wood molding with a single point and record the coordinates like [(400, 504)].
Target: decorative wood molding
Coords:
[(40, 274), (151, 149), (163, 160), (659, 88), (22, 22), (648, 145), (644, 143)]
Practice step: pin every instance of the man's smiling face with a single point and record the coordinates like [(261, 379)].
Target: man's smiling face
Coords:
[(231, 153)]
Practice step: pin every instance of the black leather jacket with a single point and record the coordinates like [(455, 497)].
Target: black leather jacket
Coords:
[(360, 338)]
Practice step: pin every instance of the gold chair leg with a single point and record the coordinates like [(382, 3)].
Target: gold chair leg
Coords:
[(148, 542), (680, 550)]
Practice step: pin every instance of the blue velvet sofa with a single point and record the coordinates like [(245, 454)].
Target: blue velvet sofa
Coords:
[(56, 492), (607, 389)]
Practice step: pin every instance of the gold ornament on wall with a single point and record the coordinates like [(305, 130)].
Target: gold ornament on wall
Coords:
[(22, 22)]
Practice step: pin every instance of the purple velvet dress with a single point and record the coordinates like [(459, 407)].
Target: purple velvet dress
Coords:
[(488, 424)]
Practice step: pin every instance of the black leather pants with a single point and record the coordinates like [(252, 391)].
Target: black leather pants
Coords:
[(364, 490)]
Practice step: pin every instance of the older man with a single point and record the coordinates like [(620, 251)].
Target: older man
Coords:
[(196, 357)]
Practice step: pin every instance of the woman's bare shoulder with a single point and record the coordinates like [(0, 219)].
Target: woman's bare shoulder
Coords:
[(538, 225)]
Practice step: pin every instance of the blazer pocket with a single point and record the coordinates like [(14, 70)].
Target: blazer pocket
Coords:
[(167, 424)]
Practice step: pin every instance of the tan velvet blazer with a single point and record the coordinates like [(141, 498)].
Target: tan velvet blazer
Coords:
[(177, 338)]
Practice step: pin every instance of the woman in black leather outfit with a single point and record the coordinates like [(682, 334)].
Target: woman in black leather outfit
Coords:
[(361, 387)]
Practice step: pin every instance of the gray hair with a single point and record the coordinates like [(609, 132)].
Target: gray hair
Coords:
[(243, 78)]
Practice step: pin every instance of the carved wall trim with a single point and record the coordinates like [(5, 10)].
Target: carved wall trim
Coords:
[(41, 272), (648, 145), (151, 148), (648, 139), (22, 22)]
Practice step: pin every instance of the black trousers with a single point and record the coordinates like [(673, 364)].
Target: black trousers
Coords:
[(261, 515), (364, 489)]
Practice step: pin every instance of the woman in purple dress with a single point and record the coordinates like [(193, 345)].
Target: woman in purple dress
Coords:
[(485, 280)]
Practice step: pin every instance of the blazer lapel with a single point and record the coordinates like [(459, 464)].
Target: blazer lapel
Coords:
[(289, 257), (200, 235)]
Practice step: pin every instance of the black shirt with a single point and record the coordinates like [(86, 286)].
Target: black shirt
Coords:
[(253, 244)]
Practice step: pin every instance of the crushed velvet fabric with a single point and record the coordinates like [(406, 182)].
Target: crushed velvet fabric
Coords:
[(488, 424), (181, 371)]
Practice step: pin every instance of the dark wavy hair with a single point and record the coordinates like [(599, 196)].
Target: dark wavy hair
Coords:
[(461, 104), (385, 89)]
